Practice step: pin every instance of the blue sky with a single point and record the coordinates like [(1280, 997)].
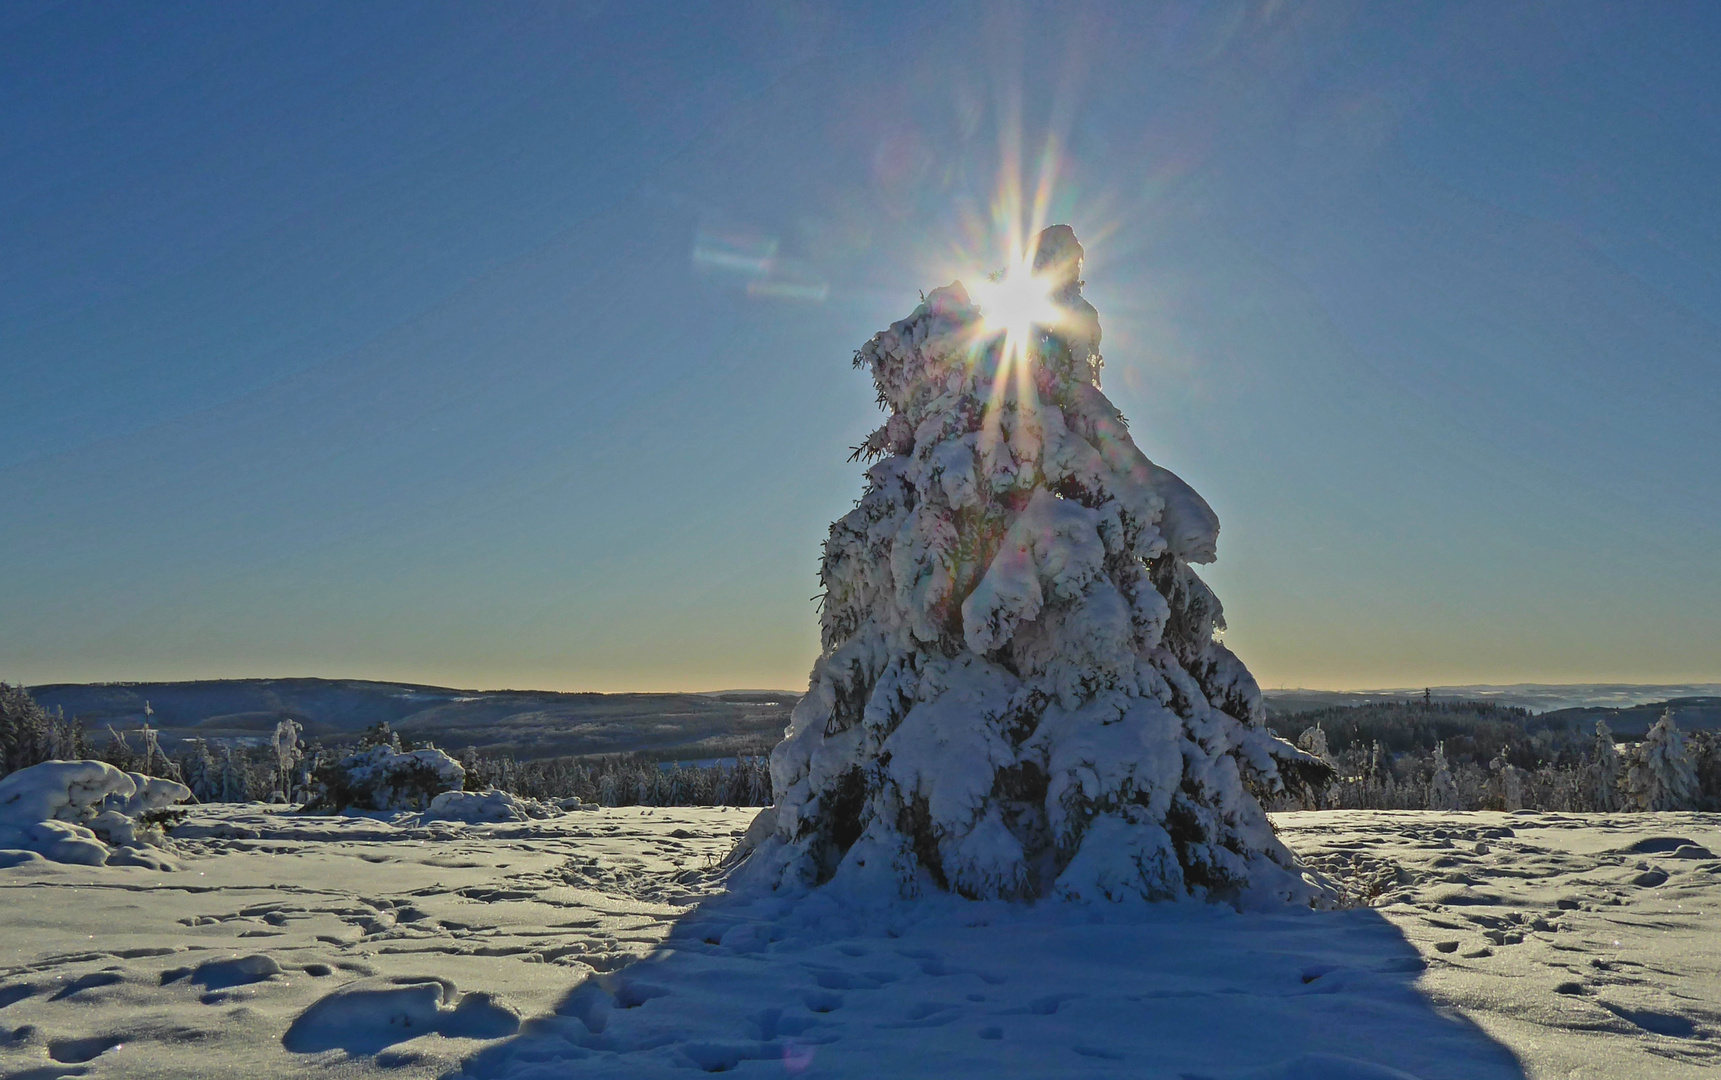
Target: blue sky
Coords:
[(508, 345)]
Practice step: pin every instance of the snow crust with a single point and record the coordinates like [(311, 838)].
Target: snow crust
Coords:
[(612, 943), (1021, 693), (81, 811)]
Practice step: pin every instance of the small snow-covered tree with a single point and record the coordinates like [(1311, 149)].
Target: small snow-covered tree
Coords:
[(1021, 692), (1314, 741), (1509, 781), (232, 778), (1442, 789), (1705, 749), (1660, 774), (199, 771), (1605, 770), (289, 751)]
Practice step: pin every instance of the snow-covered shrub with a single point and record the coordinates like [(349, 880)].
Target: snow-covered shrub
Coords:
[(75, 811), (1660, 774), (381, 777), (1021, 692), (484, 806)]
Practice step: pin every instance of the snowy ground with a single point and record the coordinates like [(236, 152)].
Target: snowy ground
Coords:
[(1521, 945)]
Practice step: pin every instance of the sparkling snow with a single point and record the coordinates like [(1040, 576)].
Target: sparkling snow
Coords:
[(601, 943)]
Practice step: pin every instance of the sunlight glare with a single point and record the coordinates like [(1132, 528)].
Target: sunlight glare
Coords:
[(1016, 303)]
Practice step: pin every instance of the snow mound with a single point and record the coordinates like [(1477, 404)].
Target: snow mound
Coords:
[(80, 811), (384, 777), (365, 1016), (478, 807)]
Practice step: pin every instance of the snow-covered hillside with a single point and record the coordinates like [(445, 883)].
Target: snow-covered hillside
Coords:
[(281, 945)]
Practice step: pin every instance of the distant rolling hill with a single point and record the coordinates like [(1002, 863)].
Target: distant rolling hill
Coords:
[(1542, 698), (1690, 714), (539, 723), (524, 723)]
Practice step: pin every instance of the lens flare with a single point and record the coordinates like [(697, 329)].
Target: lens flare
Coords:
[(1014, 302)]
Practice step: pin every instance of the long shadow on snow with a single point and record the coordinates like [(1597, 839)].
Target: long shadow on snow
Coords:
[(768, 985)]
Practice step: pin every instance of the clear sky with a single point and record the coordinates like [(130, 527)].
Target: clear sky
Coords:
[(508, 344)]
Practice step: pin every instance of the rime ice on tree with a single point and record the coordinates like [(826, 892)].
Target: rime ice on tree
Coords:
[(1020, 693)]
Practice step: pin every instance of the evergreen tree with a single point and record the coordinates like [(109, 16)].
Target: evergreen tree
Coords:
[(1510, 783), (1605, 770), (198, 768), (1661, 774), (1313, 740), (1021, 692), (232, 781), (1442, 789), (289, 751)]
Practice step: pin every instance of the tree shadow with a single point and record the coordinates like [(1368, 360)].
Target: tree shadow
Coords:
[(770, 985)]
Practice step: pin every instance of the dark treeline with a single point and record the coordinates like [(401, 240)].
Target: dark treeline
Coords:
[(1471, 731), (624, 779), (1416, 755)]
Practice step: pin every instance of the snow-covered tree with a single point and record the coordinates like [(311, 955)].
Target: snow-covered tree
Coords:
[(1381, 782), (289, 751), (232, 778), (1509, 782), (1605, 770), (1021, 692), (1442, 789), (30, 735), (1661, 774), (199, 771), (1314, 741)]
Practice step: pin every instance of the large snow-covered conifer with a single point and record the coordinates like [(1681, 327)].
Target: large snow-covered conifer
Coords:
[(1021, 693)]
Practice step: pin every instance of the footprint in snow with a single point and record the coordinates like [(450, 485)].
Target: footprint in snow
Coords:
[(78, 1051)]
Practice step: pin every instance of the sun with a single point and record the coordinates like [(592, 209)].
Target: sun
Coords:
[(1015, 302)]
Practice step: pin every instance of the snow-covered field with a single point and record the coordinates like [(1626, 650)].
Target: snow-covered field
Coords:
[(602, 944)]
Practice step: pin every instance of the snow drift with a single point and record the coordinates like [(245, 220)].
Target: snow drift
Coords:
[(82, 811)]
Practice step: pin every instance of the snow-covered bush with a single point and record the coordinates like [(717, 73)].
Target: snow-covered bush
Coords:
[(1660, 774), (485, 806), (1021, 692), (76, 811), (382, 777)]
